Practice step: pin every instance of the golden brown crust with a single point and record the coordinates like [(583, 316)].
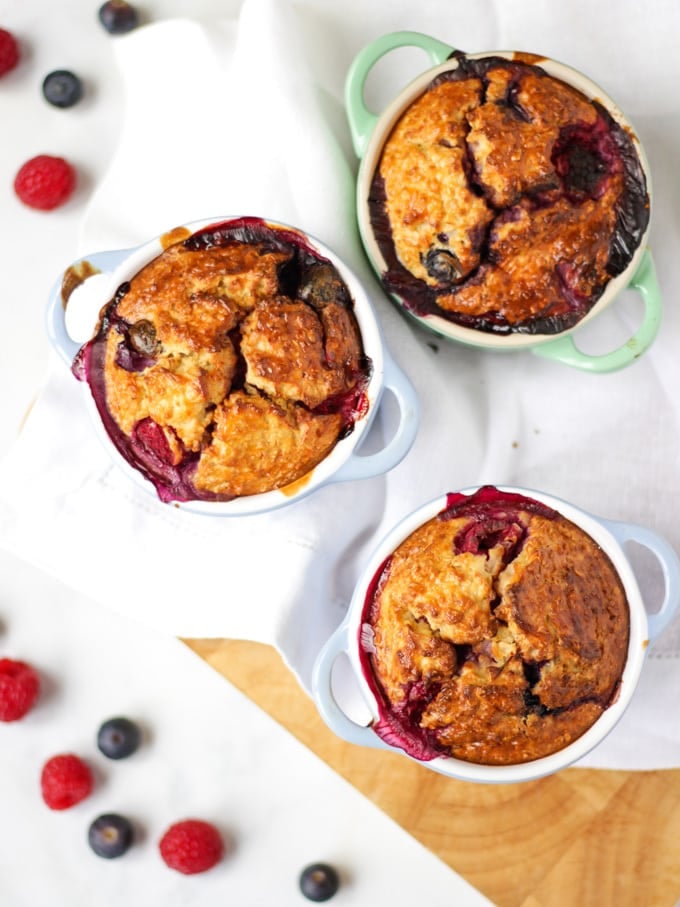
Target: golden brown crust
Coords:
[(523, 282), (240, 274), (286, 347), (257, 445), (502, 198), (427, 191), (510, 659), (203, 343)]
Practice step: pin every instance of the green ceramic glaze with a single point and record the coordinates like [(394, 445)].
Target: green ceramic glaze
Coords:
[(361, 120)]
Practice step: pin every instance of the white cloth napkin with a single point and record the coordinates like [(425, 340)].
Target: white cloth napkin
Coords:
[(245, 117)]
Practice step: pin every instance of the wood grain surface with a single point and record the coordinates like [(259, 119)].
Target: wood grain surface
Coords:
[(581, 838)]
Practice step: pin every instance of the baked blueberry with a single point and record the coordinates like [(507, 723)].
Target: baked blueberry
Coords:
[(319, 882), (118, 738), (62, 88), (110, 835), (321, 285), (443, 266), (143, 337)]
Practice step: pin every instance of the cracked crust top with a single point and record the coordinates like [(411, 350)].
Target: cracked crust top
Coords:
[(500, 651), (225, 368), (503, 199)]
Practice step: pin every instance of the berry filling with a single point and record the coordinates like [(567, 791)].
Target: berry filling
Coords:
[(584, 156), (351, 405), (151, 444)]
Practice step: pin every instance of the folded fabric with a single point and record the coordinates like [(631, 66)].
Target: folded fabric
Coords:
[(236, 119)]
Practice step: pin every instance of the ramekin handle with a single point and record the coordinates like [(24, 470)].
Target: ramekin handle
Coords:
[(322, 689), (55, 316), (565, 350), (365, 467), (670, 567), (361, 120)]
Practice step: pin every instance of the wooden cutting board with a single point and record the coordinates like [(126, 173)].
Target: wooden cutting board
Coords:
[(581, 838)]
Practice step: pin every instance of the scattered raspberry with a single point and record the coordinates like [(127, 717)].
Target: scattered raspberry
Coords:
[(9, 51), (19, 689), (65, 781), (45, 182), (191, 846)]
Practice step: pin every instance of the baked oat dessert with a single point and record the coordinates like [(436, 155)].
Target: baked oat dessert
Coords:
[(230, 365), (496, 633), (505, 200)]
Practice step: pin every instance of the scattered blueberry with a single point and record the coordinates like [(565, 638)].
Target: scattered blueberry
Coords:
[(118, 17), (319, 882), (118, 738), (62, 88), (110, 835)]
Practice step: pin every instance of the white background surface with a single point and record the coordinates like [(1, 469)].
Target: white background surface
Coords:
[(209, 752), (625, 468)]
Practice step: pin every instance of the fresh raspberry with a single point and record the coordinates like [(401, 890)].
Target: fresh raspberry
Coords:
[(65, 781), (191, 846), (9, 51), (19, 689), (45, 182)]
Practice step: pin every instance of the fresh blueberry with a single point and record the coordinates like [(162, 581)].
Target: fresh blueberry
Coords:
[(62, 88), (118, 738), (110, 835), (118, 17), (319, 882)]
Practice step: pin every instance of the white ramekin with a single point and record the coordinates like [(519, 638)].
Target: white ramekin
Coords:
[(644, 628), (98, 276)]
